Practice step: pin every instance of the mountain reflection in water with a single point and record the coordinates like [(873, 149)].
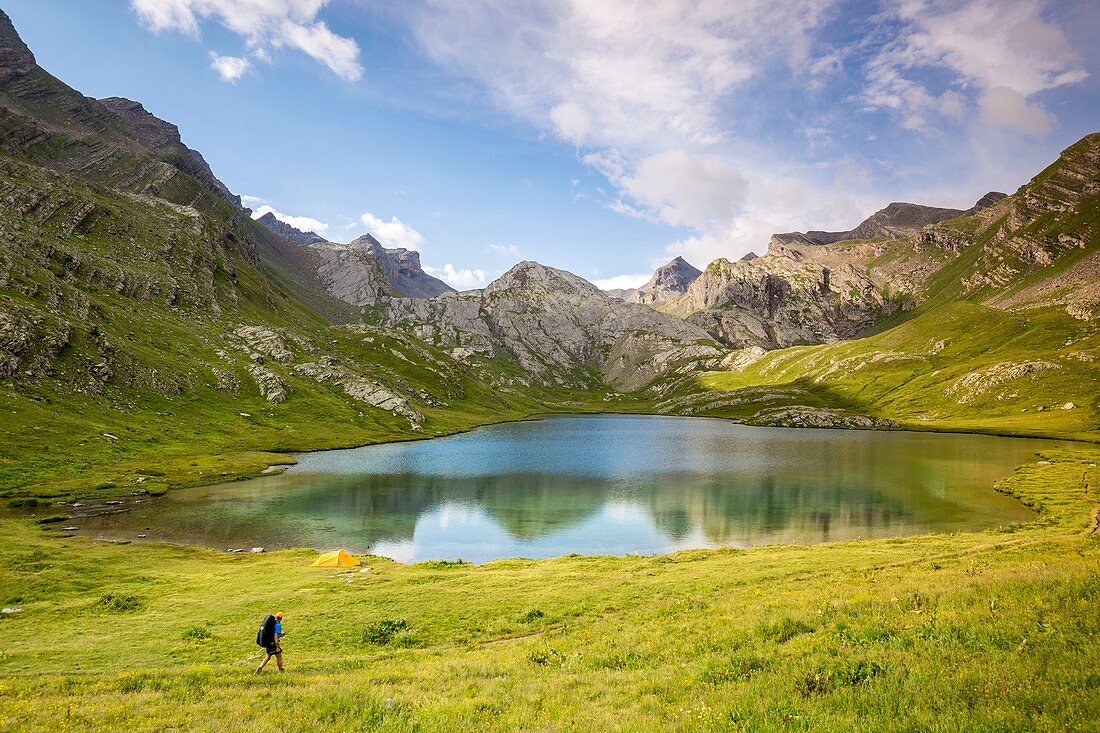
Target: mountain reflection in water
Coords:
[(602, 485)]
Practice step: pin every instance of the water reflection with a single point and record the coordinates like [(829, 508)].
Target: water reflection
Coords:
[(600, 484)]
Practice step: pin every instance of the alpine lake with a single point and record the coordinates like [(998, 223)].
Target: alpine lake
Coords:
[(594, 485)]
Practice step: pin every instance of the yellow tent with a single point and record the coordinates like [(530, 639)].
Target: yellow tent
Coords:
[(337, 559)]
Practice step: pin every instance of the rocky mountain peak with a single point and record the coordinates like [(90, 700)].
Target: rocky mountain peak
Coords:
[(402, 268), (163, 139), (986, 201), (16, 58), (534, 276), (668, 281)]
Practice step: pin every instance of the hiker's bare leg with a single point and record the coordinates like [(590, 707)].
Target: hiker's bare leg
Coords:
[(266, 658), (279, 661)]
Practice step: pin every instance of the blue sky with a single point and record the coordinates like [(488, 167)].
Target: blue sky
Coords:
[(604, 136)]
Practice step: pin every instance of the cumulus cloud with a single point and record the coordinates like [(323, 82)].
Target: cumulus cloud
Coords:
[(392, 233), (622, 282), (304, 223), (684, 189), (1006, 107), (983, 45), (229, 68), (263, 24), (504, 250), (615, 73), (458, 278), (572, 121)]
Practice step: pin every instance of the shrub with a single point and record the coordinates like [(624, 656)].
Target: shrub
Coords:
[(737, 669), (197, 633), (31, 502), (545, 657), (382, 632), (118, 603), (783, 631), (823, 681), (531, 616)]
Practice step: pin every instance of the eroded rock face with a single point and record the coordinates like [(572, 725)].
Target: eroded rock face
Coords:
[(269, 383), (265, 341), (362, 389), (163, 138), (559, 328), (350, 275)]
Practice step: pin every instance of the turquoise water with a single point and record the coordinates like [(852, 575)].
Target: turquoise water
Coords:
[(602, 484)]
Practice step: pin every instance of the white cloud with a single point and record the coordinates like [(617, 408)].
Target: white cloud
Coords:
[(252, 201), (459, 279), (392, 233), (684, 189), (304, 223), (984, 45), (572, 121), (229, 68), (340, 54), (1005, 107), (622, 282), (615, 73), (263, 24), (504, 250), (644, 87)]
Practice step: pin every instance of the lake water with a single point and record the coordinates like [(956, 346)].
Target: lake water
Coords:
[(602, 484)]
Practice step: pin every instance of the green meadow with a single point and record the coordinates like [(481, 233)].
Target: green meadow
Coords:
[(988, 631)]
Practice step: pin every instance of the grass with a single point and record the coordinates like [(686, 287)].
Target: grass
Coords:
[(987, 631), (948, 369)]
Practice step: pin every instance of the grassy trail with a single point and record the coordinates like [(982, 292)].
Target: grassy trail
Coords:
[(988, 631)]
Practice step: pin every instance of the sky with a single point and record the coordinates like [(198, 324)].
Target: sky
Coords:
[(600, 136)]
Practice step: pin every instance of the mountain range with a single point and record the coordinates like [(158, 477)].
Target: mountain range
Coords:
[(135, 286)]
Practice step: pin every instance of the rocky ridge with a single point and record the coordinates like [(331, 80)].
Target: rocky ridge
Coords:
[(558, 328), (268, 221)]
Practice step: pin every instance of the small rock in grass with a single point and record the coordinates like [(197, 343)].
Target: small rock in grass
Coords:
[(142, 536), (257, 550), (69, 529), (11, 610), (244, 414), (1042, 463), (110, 437), (1068, 406)]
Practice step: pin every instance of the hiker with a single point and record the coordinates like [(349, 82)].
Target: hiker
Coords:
[(270, 638)]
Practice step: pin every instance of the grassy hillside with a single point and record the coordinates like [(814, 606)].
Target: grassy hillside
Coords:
[(989, 631), (960, 366)]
